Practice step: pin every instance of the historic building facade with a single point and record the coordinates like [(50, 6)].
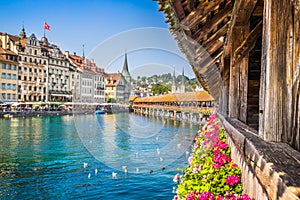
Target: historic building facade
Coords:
[(34, 70), (91, 87), (9, 73)]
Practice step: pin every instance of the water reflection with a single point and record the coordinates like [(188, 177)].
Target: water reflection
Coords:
[(133, 140)]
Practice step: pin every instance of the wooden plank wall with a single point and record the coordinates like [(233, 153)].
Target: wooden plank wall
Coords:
[(279, 93)]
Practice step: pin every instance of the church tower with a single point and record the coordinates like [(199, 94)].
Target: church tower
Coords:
[(126, 75), (182, 85), (173, 89)]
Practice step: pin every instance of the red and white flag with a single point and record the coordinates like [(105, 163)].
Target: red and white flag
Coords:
[(46, 26)]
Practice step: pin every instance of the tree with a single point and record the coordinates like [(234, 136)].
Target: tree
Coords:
[(159, 89)]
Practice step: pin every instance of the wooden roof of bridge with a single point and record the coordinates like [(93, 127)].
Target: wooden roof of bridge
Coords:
[(184, 97), (203, 29)]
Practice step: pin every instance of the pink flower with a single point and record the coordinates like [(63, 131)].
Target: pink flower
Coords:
[(192, 195), (175, 197), (232, 180), (234, 165), (217, 166), (220, 158), (223, 145), (196, 169), (195, 145), (220, 198), (206, 196), (229, 159), (190, 159), (244, 197), (176, 178), (217, 151), (231, 196)]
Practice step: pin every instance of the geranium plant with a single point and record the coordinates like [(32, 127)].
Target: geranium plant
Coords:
[(211, 173)]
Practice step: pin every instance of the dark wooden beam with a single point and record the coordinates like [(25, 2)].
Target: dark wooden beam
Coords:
[(209, 63), (214, 22), (190, 5), (241, 14), (221, 32), (248, 44), (178, 8), (201, 12)]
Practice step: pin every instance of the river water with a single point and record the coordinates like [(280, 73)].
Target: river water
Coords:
[(127, 156)]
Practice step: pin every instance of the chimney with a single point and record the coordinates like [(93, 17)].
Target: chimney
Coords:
[(67, 54)]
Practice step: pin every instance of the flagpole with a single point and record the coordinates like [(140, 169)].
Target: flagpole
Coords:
[(44, 28)]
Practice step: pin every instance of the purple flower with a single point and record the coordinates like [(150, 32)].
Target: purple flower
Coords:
[(232, 180)]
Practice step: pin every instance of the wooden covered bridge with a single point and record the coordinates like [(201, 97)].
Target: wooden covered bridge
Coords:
[(246, 54), (193, 106)]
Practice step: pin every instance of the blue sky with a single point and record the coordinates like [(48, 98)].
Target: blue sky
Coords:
[(93, 23)]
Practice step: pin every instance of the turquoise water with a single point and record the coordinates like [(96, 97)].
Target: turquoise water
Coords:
[(43, 157)]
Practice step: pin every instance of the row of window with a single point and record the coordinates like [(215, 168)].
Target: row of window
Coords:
[(8, 86), (30, 70), (34, 61), (9, 76), (9, 96), (9, 66)]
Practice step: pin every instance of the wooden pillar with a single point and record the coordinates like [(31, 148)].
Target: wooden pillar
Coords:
[(274, 90), (238, 83)]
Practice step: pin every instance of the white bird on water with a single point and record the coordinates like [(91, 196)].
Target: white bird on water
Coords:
[(89, 176), (114, 174), (96, 171), (85, 165), (161, 159), (137, 170), (158, 151), (124, 167)]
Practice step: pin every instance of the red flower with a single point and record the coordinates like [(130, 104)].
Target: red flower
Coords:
[(232, 180)]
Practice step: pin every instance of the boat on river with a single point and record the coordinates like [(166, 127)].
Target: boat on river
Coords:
[(99, 112)]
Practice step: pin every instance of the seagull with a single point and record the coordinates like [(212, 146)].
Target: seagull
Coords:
[(161, 159), (157, 150), (137, 169), (136, 154), (124, 167), (114, 174), (96, 171), (178, 145), (156, 138), (89, 176), (187, 153), (85, 165)]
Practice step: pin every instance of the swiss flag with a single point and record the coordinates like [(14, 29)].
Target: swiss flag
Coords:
[(46, 26)]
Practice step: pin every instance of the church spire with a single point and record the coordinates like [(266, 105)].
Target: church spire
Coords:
[(23, 33), (125, 71), (174, 83), (182, 86)]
